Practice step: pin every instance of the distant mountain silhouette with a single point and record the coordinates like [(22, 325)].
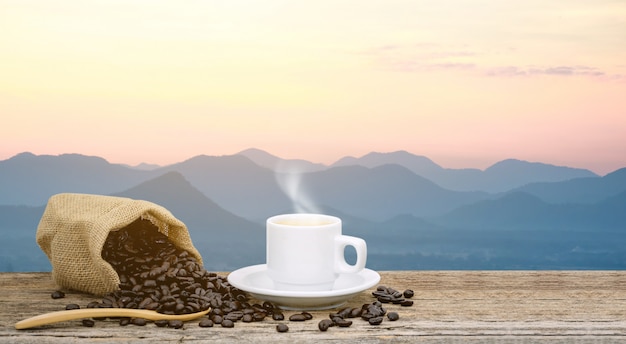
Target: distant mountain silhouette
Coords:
[(505, 174), (520, 210), (502, 176), (143, 166), (382, 192), (274, 163), (28, 179), (580, 190), (235, 183), (420, 165)]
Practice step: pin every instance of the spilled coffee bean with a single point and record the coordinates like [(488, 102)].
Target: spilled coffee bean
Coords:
[(324, 324), (228, 323), (375, 320), (88, 323), (71, 306), (393, 316), (206, 323), (342, 322), (175, 324), (297, 317), (160, 323), (57, 294), (138, 321)]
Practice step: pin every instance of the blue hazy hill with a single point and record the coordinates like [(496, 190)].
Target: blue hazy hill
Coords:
[(409, 221), (382, 192), (579, 190), (502, 176), (28, 179)]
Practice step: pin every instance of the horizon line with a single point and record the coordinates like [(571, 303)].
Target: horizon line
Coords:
[(156, 166)]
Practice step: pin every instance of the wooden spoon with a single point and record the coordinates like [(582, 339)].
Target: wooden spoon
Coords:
[(55, 317)]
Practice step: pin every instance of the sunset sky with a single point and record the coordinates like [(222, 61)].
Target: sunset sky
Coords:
[(465, 83)]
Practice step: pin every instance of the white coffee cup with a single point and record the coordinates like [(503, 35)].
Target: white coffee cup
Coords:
[(305, 252)]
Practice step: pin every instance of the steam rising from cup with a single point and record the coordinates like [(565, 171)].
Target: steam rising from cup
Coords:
[(289, 178)]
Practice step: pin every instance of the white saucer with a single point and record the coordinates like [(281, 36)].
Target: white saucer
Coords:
[(255, 281)]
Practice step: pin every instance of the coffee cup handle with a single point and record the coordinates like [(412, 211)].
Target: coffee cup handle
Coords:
[(341, 266)]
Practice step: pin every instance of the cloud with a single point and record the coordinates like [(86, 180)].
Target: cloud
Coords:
[(549, 70), (433, 57)]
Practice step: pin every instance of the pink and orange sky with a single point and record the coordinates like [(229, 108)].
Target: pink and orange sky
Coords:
[(465, 83)]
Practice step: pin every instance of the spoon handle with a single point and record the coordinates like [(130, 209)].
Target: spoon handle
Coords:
[(54, 317)]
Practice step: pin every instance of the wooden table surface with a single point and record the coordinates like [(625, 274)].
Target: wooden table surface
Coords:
[(449, 306)]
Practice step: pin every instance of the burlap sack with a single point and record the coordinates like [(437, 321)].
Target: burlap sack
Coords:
[(74, 227)]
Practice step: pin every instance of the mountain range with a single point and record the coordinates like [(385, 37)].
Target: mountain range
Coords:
[(412, 213)]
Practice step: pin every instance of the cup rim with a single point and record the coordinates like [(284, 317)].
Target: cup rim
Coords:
[(328, 220)]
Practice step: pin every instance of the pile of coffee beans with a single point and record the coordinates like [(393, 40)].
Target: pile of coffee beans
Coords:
[(156, 275)]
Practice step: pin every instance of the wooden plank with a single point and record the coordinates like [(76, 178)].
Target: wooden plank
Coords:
[(467, 306)]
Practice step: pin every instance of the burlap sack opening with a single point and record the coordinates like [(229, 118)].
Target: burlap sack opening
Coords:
[(74, 227)]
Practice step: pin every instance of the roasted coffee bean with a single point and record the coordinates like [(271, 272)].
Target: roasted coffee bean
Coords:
[(92, 304), (397, 301), (408, 293), (367, 316), (324, 324), (307, 315), (57, 294), (297, 317), (88, 323), (247, 318), (278, 316), (393, 316), (233, 316), (268, 306), (375, 320), (385, 298), (228, 323), (336, 319), (175, 324), (407, 303), (206, 323), (144, 303), (344, 312), (282, 328), (258, 316), (160, 323), (72, 306), (342, 322), (138, 321)]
